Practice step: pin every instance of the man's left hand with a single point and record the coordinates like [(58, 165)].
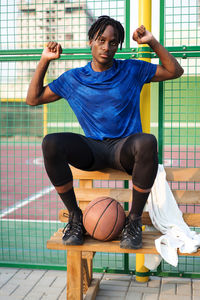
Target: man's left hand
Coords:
[(142, 36)]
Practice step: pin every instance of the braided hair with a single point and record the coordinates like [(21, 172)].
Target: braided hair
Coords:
[(100, 25)]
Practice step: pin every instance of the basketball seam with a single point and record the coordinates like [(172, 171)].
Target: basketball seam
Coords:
[(100, 218), (91, 207), (114, 224)]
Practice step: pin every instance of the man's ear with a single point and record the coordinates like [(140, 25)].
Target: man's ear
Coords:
[(90, 43)]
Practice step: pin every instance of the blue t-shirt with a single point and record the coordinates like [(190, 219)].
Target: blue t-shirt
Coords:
[(107, 104)]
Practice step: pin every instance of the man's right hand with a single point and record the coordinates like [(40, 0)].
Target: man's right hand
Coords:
[(38, 93), (52, 51)]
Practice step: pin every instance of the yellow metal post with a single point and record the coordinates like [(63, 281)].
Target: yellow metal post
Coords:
[(140, 268), (145, 110), (145, 105), (45, 110)]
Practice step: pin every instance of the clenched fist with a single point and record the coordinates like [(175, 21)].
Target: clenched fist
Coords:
[(52, 51), (142, 36)]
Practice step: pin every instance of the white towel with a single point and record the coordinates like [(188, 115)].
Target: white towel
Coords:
[(167, 218)]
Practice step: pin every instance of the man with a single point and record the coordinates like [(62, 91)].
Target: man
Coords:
[(104, 95)]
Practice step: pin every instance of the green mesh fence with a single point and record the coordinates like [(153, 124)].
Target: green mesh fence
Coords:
[(29, 203), (180, 32)]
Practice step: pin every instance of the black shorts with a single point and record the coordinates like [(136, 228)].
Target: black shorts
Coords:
[(106, 153)]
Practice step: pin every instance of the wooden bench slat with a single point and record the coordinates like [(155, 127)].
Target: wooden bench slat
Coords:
[(105, 174), (183, 174), (111, 246), (192, 219), (125, 195), (121, 195), (187, 197), (64, 218), (172, 174)]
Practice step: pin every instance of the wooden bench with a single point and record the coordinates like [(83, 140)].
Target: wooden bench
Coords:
[(79, 258)]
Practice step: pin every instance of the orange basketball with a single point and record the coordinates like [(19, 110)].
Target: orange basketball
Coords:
[(104, 218)]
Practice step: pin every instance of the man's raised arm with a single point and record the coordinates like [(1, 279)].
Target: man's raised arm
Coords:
[(38, 93), (169, 68)]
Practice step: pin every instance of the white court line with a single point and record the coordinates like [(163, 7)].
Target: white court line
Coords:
[(63, 124), (32, 221), (26, 201), (153, 124), (177, 124)]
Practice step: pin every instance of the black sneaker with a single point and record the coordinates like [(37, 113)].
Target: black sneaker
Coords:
[(132, 234), (73, 233)]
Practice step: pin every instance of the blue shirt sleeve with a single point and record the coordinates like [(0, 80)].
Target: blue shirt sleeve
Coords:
[(61, 86), (145, 70), (148, 70)]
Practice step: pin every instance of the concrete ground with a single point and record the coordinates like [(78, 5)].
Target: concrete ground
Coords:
[(29, 284)]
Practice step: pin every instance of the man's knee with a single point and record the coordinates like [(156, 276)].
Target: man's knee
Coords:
[(140, 147), (141, 141), (50, 145), (146, 157), (144, 147), (146, 142)]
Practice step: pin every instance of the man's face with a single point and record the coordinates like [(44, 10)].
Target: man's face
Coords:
[(105, 46)]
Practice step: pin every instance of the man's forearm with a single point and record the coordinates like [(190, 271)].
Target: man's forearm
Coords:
[(167, 60), (37, 83)]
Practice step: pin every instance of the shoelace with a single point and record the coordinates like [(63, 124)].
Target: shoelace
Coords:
[(67, 215), (73, 227), (77, 228), (67, 227), (132, 227), (69, 224)]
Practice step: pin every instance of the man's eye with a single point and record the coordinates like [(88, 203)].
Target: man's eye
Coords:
[(101, 41)]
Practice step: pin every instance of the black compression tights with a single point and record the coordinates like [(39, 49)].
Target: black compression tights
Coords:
[(138, 156), (61, 149)]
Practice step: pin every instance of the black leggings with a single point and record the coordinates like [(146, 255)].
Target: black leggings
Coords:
[(136, 154)]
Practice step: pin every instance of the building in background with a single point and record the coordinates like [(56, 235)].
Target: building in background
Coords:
[(63, 21), (35, 23)]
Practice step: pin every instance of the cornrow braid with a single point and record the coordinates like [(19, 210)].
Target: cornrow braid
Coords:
[(100, 25)]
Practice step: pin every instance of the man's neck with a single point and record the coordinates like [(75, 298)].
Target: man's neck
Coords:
[(100, 68)]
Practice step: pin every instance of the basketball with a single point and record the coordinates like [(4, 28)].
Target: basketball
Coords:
[(104, 218)]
